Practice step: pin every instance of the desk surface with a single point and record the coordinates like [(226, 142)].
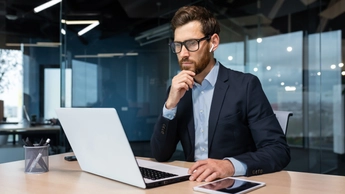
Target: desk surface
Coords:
[(22, 127), (13, 129), (66, 177)]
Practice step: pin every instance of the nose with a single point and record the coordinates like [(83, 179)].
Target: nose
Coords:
[(184, 52)]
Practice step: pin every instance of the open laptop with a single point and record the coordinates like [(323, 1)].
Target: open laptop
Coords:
[(101, 146)]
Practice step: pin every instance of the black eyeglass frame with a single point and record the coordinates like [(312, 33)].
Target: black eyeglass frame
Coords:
[(172, 46)]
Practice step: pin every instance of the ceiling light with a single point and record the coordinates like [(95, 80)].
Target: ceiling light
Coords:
[(20, 44), (255, 69), (341, 64), (88, 28), (132, 54), (46, 5), (289, 48), (290, 88), (230, 58), (110, 54), (63, 31), (49, 43), (86, 56), (107, 55), (78, 22), (333, 66), (38, 44), (343, 73), (259, 40), (268, 68)]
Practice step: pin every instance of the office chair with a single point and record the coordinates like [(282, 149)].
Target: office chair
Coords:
[(283, 119)]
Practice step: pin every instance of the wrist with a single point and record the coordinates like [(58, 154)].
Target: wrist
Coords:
[(169, 105), (231, 168)]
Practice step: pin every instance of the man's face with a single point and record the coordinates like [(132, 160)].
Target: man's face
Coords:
[(195, 61)]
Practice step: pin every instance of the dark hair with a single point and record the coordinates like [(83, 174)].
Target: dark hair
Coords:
[(187, 14)]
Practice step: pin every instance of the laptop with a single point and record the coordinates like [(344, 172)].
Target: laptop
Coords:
[(100, 144)]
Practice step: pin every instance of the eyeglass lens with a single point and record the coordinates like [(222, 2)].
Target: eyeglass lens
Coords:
[(191, 45)]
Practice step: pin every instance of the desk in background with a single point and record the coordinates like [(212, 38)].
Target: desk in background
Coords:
[(22, 129), (67, 177)]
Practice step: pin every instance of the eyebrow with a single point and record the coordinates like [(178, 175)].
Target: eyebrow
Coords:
[(188, 39)]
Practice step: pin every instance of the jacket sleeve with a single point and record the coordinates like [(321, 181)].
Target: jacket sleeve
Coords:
[(164, 138), (273, 153)]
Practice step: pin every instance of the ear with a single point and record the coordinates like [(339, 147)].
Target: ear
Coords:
[(214, 42), (211, 49)]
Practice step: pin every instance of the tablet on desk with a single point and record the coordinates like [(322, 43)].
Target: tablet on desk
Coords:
[(229, 185)]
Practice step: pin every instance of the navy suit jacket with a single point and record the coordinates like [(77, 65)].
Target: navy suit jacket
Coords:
[(242, 125)]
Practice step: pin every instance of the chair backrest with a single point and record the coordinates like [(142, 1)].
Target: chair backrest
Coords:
[(283, 119)]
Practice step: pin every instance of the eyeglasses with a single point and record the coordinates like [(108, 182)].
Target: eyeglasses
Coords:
[(191, 45)]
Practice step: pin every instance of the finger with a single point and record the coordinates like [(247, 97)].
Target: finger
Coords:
[(185, 86), (179, 83), (186, 80), (189, 83), (196, 173), (188, 76), (212, 177), (195, 166), (185, 77), (189, 72), (207, 172)]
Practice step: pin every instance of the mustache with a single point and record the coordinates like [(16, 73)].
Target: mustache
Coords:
[(186, 60)]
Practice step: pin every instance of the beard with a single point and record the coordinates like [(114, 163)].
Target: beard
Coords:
[(198, 66)]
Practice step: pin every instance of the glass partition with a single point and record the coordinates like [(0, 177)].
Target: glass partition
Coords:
[(294, 47), (300, 67)]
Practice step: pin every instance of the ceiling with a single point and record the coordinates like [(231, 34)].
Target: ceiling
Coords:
[(19, 23)]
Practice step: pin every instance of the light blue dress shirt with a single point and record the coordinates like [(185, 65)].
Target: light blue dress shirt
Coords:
[(202, 97)]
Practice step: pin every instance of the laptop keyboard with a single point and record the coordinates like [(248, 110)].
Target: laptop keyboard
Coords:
[(154, 174)]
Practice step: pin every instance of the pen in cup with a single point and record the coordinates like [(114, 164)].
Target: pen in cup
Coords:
[(41, 142), (35, 161), (47, 142), (27, 142), (39, 159)]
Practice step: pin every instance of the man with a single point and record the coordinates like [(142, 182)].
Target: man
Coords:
[(222, 117)]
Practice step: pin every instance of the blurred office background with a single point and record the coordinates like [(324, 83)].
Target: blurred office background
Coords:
[(295, 47)]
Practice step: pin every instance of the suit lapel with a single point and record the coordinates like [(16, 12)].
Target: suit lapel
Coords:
[(219, 92), (190, 121)]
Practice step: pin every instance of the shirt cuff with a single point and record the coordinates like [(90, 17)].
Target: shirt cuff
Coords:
[(169, 113), (240, 167)]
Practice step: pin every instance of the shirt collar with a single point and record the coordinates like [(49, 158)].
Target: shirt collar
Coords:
[(211, 77)]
